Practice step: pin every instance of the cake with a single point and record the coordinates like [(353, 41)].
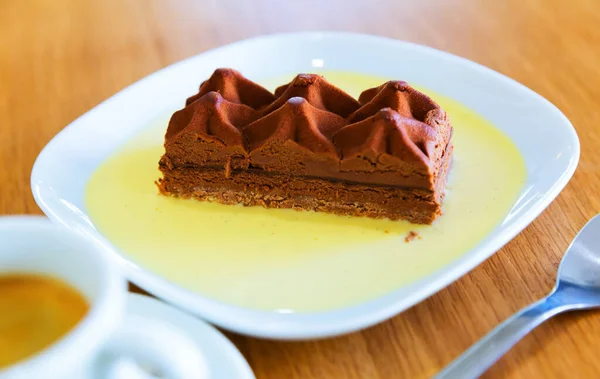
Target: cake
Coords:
[(310, 146)]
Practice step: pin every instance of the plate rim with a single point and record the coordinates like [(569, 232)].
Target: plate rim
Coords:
[(325, 323)]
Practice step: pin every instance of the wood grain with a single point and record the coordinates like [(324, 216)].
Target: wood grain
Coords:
[(60, 58)]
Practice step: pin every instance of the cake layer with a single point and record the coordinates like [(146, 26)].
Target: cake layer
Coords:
[(312, 194), (272, 190), (330, 169)]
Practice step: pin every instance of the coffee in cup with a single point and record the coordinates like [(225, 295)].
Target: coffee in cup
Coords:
[(37, 310)]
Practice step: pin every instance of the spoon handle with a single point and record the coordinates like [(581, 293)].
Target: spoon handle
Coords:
[(490, 348)]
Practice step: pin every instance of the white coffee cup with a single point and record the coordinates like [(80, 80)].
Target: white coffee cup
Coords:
[(100, 344)]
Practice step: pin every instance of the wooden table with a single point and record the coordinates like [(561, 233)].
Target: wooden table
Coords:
[(60, 58)]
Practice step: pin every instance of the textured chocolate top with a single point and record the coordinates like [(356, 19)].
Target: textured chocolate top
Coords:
[(319, 93), (393, 135), (235, 88)]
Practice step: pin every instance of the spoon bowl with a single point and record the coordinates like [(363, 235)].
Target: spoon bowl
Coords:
[(580, 265)]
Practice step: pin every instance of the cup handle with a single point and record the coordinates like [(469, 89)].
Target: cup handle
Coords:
[(152, 345)]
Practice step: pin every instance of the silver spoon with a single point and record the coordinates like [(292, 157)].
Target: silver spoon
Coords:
[(577, 287)]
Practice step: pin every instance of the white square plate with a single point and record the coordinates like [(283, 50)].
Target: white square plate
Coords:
[(544, 136)]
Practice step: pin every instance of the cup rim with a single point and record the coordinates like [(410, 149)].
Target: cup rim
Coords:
[(103, 316)]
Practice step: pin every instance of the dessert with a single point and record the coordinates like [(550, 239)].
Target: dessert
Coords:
[(310, 146)]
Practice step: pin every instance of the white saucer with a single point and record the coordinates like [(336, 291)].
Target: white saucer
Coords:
[(222, 357)]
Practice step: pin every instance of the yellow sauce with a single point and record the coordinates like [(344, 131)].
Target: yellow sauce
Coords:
[(285, 260)]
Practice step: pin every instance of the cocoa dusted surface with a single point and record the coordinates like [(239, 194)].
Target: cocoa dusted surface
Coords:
[(385, 155), (235, 88)]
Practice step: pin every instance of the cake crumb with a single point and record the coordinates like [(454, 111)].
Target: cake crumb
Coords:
[(411, 236)]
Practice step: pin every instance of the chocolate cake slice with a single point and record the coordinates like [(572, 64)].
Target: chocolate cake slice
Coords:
[(310, 146)]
